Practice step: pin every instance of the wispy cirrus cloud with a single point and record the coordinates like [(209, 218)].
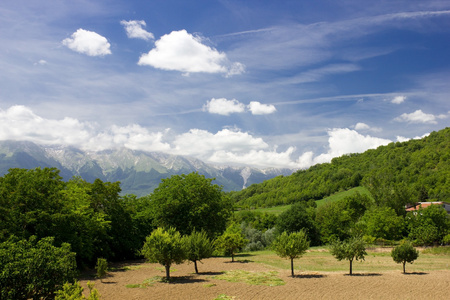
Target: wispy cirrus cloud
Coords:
[(88, 42)]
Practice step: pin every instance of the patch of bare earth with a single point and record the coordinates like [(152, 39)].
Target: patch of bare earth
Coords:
[(312, 285)]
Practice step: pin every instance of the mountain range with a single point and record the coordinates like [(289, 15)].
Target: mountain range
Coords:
[(139, 172)]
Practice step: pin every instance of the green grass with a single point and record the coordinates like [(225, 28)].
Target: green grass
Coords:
[(319, 259), (338, 196), (341, 195), (224, 297), (273, 210), (146, 283), (255, 278)]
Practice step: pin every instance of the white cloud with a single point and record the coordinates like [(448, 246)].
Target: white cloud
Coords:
[(88, 42), (257, 158), (258, 108), (223, 106), (362, 126), (398, 99), (41, 62), (184, 52), (202, 143), (417, 117), (342, 141), (405, 139), (134, 29)]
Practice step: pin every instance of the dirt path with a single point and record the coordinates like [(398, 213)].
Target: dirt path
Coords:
[(323, 285)]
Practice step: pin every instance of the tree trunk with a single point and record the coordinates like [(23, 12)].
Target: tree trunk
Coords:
[(232, 257), (167, 272), (404, 263), (292, 267), (195, 265), (351, 261)]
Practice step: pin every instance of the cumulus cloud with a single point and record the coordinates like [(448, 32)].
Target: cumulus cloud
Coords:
[(135, 29), (184, 52), (24, 124), (258, 108), (202, 143), (364, 127), (417, 117), (223, 106), (342, 141), (398, 99), (88, 42)]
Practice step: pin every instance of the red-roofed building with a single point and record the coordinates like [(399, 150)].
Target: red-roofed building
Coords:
[(419, 205)]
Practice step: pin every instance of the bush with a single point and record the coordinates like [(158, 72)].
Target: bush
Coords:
[(34, 269)]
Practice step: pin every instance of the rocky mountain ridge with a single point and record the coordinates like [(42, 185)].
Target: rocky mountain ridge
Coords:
[(139, 172)]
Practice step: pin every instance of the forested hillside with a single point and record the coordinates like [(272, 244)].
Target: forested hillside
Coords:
[(399, 173)]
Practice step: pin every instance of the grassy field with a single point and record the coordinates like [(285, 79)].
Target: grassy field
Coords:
[(279, 209), (319, 259)]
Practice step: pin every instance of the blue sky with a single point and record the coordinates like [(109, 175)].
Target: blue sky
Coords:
[(258, 83)]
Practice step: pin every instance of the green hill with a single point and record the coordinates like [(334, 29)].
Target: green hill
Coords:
[(399, 173)]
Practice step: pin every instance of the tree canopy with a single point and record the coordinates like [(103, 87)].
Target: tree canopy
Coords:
[(190, 202)]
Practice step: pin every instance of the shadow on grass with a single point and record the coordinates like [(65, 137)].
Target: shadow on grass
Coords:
[(415, 273), (363, 274), (309, 276), (184, 280), (239, 261), (210, 273)]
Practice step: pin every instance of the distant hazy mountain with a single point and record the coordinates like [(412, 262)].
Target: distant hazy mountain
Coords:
[(139, 172)]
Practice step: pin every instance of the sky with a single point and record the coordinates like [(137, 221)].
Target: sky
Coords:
[(265, 84)]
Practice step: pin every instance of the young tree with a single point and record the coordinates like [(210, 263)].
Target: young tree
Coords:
[(291, 246), (351, 249), (197, 247), (164, 247), (101, 267), (231, 241), (403, 253)]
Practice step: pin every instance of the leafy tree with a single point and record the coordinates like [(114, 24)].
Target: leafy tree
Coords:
[(291, 246), (403, 253), (197, 247), (351, 249), (382, 222), (300, 216), (34, 269), (101, 267), (337, 219), (231, 241), (164, 247), (428, 225), (190, 202)]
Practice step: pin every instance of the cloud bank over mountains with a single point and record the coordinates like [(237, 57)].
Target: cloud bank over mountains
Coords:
[(227, 146)]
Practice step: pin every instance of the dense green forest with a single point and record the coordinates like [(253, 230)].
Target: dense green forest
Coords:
[(62, 226), (399, 173)]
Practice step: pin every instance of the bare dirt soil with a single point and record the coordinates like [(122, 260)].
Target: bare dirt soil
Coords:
[(306, 285)]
